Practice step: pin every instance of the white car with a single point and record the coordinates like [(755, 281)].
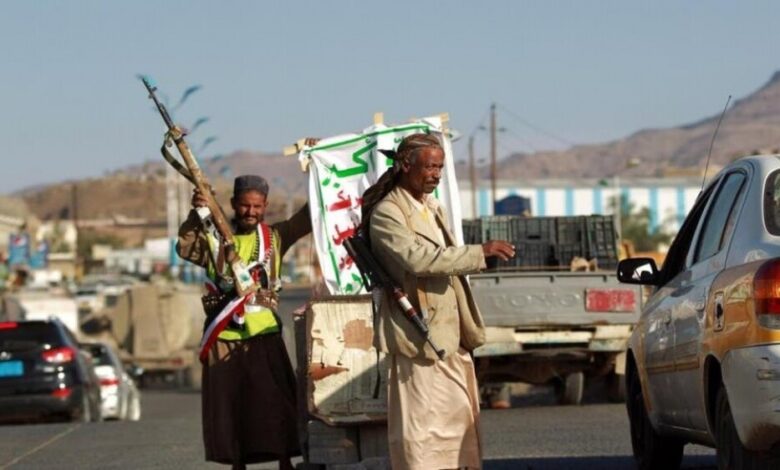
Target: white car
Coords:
[(703, 363), (120, 398)]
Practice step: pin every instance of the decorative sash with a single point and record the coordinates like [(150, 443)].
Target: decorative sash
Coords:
[(235, 309)]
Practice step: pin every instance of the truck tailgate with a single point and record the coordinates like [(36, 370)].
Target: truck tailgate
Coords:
[(549, 298)]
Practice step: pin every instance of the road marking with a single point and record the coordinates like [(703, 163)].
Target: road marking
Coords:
[(41, 446)]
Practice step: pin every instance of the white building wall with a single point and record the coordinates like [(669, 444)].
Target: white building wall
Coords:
[(583, 201), (638, 197), (667, 208), (690, 196), (555, 204), (669, 201)]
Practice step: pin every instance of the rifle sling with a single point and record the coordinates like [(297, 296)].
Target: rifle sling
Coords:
[(175, 163)]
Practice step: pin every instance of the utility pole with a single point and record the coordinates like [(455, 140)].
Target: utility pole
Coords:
[(172, 209), (493, 157), (473, 177), (74, 214)]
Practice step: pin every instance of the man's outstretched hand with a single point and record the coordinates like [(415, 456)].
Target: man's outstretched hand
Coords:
[(503, 250)]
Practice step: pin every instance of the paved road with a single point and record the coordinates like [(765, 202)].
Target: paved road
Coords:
[(535, 434), (168, 436)]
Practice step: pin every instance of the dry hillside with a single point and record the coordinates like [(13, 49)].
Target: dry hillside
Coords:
[(751, 123)]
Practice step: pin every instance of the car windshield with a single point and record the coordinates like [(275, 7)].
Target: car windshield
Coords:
[(772, 203), (27, 335)]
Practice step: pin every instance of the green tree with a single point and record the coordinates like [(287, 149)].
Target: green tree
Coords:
[(57, 242), (635, 227)]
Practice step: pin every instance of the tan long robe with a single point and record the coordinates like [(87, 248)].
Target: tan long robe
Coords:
[(433, 405), (433, 413)]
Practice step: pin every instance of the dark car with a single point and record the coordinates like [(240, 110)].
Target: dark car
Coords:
[(44, 374)]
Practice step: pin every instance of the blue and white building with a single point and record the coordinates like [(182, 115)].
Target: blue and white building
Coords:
[(669, 199)]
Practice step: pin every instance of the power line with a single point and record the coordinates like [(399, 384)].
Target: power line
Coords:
[(505, 149), (480, 123), (520, 139), (526, 123)]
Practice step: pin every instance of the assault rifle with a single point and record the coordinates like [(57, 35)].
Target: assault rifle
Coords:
[(374, 275), (244, 283)]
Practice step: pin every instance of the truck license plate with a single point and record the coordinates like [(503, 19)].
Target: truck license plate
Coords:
[(11, 368)]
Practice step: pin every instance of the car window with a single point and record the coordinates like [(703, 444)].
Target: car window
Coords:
[(99, 353), (27, 335), (772, 203), (678, 251), (69, 335), (716, 224)]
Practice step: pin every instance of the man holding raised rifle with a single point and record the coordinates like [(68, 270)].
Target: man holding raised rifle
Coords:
[(433, 404), (248, 393)]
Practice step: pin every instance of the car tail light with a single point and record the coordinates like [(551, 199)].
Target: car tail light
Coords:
[(109, 381), (58, 355), (766, 294), (8, 325), (610, 300), (62, 392)]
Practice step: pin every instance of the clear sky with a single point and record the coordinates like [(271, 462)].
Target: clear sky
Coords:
[(273, 72)]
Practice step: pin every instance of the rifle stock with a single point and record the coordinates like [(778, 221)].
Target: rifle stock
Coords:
[(242, 279), (374, 275)]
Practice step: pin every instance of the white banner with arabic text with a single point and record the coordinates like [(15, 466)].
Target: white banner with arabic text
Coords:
[(341, 168)]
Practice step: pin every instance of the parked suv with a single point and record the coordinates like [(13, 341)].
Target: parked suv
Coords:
[(43, 373)]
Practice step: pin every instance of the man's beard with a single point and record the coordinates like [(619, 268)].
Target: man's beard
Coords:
[(243, 226)]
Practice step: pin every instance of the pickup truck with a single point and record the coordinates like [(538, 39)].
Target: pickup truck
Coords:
[(548, 324)]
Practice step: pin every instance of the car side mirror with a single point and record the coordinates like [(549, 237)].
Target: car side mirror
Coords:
[(642, 271)]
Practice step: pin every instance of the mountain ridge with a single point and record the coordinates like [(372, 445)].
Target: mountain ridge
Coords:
[(751, 123)]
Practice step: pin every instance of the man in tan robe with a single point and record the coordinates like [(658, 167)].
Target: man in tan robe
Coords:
[(433, 405)]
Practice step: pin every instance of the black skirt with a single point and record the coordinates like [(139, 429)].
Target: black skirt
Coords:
[(249, 401)]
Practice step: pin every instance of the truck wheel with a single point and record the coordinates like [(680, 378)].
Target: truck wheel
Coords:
[(616, 387), (194, 378), (181, 378), (500, 397), (195, 372), (571, 389), (651, 450)]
